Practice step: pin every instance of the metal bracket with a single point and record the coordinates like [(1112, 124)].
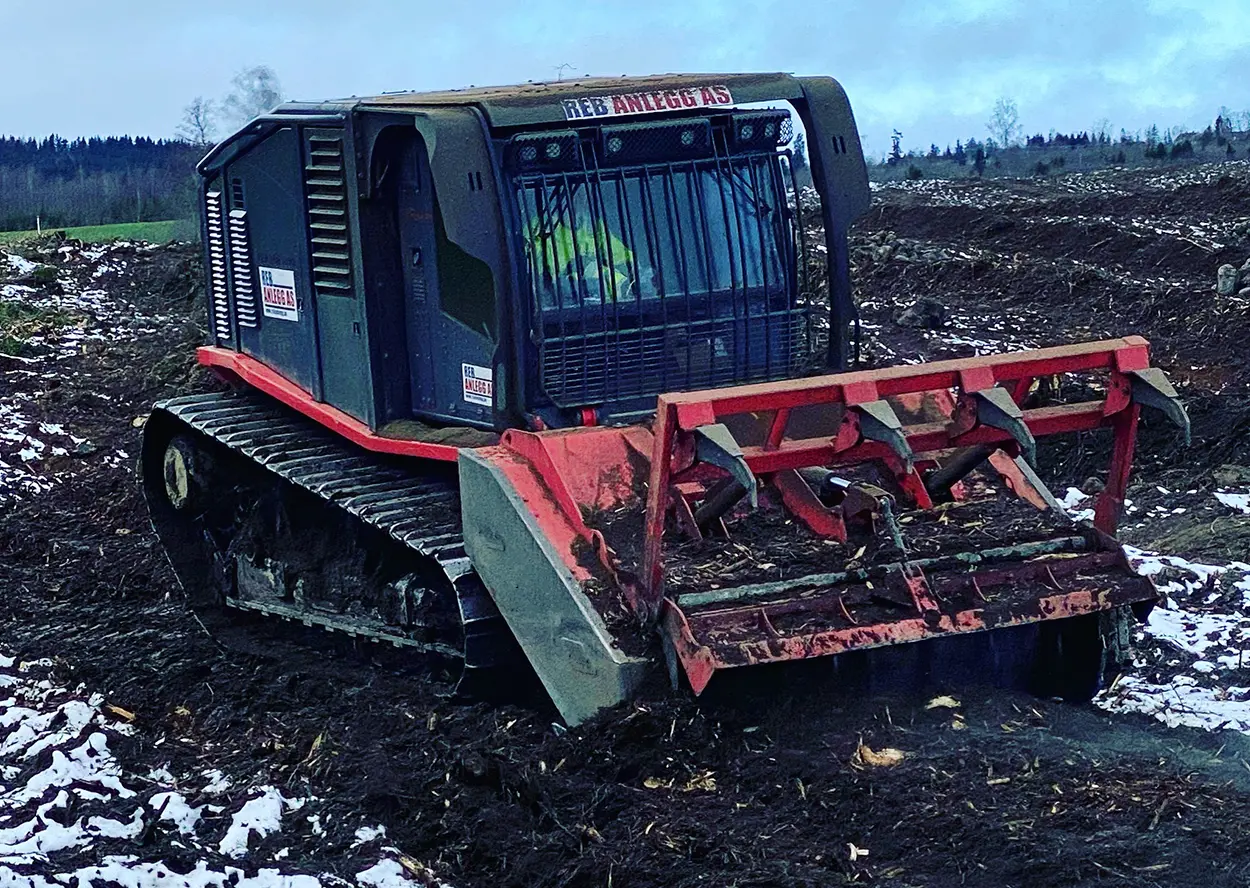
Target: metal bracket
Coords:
[(1152, 389), (715, 444), (879, 422), (997, 409)]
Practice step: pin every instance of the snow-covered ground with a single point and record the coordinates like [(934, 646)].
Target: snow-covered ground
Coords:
[(981, 193), (65, 798), (73, 814), (1202, 629), (85, 314)]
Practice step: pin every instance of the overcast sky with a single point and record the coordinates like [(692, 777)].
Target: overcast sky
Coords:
[(930, 69)]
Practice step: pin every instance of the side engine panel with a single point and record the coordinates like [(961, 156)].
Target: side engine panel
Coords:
[(281, 241)]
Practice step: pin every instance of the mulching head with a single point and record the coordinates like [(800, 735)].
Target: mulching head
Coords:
[(808, 518)]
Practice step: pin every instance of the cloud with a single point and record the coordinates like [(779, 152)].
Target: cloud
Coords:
[(932, 70)]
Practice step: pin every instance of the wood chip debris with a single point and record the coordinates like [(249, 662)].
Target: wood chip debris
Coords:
[(887, 757)]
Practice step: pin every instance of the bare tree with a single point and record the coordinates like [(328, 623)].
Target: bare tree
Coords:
[(1102, 130), (199, 122), (1226, 121), (1004, 123), (255, 91)]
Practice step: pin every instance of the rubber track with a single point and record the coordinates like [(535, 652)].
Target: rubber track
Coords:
[(421, 512)]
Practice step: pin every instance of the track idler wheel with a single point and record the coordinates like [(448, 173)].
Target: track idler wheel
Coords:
[(177, 472), (184, 473)]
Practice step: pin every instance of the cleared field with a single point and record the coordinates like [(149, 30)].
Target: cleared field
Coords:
[(252, 750), (151, 232)]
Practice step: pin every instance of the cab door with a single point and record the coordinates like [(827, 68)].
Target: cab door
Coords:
[(416, 242), (451, 348)]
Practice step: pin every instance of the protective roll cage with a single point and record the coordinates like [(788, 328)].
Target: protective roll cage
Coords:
[(661, 256)]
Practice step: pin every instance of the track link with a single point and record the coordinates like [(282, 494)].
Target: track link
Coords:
[(416, 506)]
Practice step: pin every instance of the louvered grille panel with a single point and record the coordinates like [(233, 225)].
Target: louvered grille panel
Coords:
[(219, 294), (624, 364), (325, 187), (241, 270)]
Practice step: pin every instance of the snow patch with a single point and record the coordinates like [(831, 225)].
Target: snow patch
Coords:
[(261, 815), (1182, 703), (1188, 623), (55, 759), (390, 873), (174, 808), (369, 834), (217, 782), (1239, 501), (1198, 633), (20, 266)]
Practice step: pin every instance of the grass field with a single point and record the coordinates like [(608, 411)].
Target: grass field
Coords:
[(152, 232)]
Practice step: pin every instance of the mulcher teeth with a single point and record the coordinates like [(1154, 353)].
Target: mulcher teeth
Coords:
[(1150, 388), (715, 445), (879, 422), (995, 408)]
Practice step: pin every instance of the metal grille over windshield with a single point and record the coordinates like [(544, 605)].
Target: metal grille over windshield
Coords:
[(660, 277)]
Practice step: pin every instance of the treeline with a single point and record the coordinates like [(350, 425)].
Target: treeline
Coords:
[(56, 182), (1041, 155)]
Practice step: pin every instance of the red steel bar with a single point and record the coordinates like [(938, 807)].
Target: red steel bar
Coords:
[(1131, 352), (923, 438)]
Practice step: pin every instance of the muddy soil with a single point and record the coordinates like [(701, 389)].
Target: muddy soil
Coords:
[(778, 778)]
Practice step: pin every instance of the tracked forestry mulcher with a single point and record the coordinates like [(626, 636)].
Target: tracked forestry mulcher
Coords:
[(550, 370)]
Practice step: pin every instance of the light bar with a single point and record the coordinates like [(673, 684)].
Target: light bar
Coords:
[(672, 140), (553, 150)]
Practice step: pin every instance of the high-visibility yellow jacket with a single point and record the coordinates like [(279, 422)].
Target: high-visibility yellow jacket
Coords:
[(597, 256)]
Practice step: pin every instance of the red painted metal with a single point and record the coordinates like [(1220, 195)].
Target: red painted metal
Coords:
[(909, 480), (240, 367), (565, 532), (942, 387), (924, 438), (804, 505), (1110, 502), (976, 379), (777, 430), (712, 639), (1020, 390), (583, 466), (567, 476), (665, 432), (702, 407), (1015, 479)]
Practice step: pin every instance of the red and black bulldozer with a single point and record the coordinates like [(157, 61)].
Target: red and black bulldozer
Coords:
[(569, 372)]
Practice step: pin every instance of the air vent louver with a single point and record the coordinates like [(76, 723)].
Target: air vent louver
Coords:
[(241, 262), (325, 186), (218, 291)]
